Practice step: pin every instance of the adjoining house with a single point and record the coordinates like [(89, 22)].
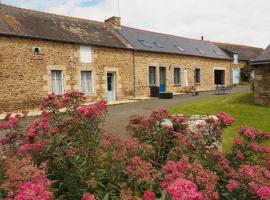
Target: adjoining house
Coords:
[(173, 62), (241, 55), (43, 53), (262, 78)]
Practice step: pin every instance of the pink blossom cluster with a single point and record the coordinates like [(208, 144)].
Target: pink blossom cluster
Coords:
[(88, 196), (264, 193), (11, 122), (225, 119), (232, 185), (94, 111), (148, 195), (31, 148)]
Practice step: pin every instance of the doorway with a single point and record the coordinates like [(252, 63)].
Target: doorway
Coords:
[(219, 77), (111, 86), (236, 76), (162, 79)]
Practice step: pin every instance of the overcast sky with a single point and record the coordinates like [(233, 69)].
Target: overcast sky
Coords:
[(231, 21)]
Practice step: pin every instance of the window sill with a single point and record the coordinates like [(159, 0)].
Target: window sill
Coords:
[(176, 85), (197, 83)]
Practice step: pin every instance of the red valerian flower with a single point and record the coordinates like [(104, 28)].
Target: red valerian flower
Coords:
[(265, 150), (238, 141), (232, 184), (182, 189), (248, 132), (226, 119), (88, 196), (148, 195), (31, 148), (240, 155), (264, 193), (254, 146)]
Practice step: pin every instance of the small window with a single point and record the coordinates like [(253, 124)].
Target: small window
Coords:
[(158, 44), (37, 51), (235, 58), (145, 43), (152, 75), (197, 76), (218, 53), (179, 48), (85, 54), (176, 76), (57, 82), (86, 82), (200, 50)]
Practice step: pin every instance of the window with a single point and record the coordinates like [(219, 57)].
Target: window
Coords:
[(200, 50), (158, 44), (176, 76), (179, 48), (85, 54), (197, 76), (218, 53), (37, 51), (152, 75), (235, 58), (57, 82), (86, 82), (145, 43)]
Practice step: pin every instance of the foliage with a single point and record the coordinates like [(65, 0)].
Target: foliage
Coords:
[(65, 155)]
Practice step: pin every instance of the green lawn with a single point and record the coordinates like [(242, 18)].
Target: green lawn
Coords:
[(240, 106)]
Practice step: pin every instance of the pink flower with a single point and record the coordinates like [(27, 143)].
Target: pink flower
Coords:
[(88, 196), (264, 192), (238, 141), (182, 189), (32, 191), (248, 132), (136, 160), (246, 169), (31, 148), (254, 146), (148, 195), (232, 185), (226, 119), (240, 155), (265, 150)]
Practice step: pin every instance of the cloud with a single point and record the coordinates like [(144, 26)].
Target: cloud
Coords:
[(232, 21)]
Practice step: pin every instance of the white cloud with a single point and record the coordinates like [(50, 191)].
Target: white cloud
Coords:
[(233, 21)]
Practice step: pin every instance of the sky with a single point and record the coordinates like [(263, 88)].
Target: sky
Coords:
[(230, 21)]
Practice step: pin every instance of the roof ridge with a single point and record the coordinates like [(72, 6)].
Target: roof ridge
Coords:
[(166, 34), (48, 13), (239, 45)]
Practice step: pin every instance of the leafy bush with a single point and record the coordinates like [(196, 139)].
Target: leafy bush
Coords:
[(64, 154)]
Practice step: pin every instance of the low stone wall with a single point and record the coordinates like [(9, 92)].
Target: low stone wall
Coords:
[(262, 85)]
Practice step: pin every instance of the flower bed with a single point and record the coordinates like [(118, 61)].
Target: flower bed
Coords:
[(67, 156)]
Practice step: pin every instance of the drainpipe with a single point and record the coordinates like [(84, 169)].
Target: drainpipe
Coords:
[(134, 74)]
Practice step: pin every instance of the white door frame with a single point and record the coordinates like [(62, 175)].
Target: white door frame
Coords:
[(114, 85)]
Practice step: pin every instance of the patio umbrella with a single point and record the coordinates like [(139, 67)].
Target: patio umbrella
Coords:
[(185, 79)]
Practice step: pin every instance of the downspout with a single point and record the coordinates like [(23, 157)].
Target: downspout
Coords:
[(134, 74)]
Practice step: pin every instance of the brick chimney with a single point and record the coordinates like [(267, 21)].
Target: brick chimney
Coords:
[(114, 21)]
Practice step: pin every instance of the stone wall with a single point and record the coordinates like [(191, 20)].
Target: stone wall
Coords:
[(145, 59), (262, 85), (25, 77)]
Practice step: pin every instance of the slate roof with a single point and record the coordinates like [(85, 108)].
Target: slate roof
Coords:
[(263, 58), (246, 53), (34, 24), (142, 40)]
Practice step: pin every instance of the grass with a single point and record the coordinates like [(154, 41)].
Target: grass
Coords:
[(240, 106)]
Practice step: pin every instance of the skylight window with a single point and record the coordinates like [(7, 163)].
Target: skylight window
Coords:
[(218, 53), (201, 51), (145, 43), (179, 48), (158, 44)]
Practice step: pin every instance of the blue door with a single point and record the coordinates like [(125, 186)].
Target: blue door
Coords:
[(236, 76), (110, 87), (162, 79)]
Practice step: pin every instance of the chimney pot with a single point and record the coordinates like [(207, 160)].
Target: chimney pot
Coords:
[(114, 21), (202, 37)]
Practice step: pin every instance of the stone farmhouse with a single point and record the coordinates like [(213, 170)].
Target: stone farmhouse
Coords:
[(262, 78), (241, 56), (43, 53)]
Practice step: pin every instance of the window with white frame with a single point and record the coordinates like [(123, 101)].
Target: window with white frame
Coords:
[(152, 75), (197, 76), (235, 58), (176, 76), (86, 82), (85, 54), (57, 82)]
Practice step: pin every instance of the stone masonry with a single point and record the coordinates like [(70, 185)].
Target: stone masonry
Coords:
[(262, 84), (25, 77)]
